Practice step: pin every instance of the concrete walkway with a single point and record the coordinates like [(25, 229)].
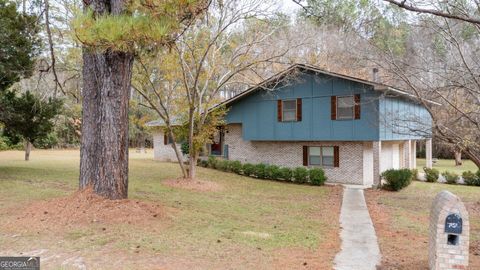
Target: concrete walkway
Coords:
[(359, 243)]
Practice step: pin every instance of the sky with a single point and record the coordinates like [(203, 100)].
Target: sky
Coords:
[(288, 6)]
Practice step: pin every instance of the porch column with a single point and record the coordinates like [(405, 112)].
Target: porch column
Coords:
[(407, 154), (414, 154), (377, 150), (428, 153)]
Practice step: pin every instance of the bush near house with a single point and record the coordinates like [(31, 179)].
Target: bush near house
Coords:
[(317, 176), (248, 169), (450, 177), (397, 179), (431, 174), (236, 166), (300, 175), (273, 172), (471, 178), (260, 171), (286, 174), (414, 174)]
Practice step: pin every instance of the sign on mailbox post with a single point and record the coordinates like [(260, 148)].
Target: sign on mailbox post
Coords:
[(453, 224)]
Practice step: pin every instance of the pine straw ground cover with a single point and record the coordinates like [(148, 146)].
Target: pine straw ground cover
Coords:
[(401, 221), (224, 221)]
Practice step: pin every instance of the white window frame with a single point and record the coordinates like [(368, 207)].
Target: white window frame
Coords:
[(283, 110), (321, 157), (351, 117)]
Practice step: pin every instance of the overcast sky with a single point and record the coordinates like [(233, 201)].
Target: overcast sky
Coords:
[(288, 6)]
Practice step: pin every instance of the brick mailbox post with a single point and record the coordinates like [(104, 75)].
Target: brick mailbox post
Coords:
[(449, 233)]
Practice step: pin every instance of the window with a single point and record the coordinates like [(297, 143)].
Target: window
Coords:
[(327, 156), (345, 107), (321, 156), (167, 139), (289, 110), (314, 156)]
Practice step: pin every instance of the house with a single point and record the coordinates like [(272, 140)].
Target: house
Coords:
[(305, 116)]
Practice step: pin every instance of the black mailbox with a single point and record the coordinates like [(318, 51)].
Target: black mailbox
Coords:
[(453, 224)]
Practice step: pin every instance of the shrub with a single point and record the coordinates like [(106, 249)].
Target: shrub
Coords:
[(397, 179), (3, 143), (273, 172), (317, 176), (221, 165), (450, 177), (48, 141), (286, 174), (202, 163), (212, 161), (185, 148), (248, 169), (471, 178), (260, 171), (414, 174), (300, 175), (236, 166), (431, 174)]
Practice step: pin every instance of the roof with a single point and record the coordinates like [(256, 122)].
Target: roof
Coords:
[(175, 121), (304, 67)]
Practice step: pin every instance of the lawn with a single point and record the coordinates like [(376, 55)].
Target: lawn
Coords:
[(401, 221), (448, 165), (244, 224)]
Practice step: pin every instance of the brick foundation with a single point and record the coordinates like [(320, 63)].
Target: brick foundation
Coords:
[(289, 154)]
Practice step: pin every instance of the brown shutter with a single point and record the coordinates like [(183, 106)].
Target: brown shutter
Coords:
[(305, 155), (279, 110), (333, 105), (165, 139), (299, 109), (357, 106), (336, 157)]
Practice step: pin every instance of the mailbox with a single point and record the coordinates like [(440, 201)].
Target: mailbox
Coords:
[(449, 233), (453, 227), (453, 224)]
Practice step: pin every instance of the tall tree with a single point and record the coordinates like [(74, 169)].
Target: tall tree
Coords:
[(27, 117), (19, 44), (226, 49), (111, 31)]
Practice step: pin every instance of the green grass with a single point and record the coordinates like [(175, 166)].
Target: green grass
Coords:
[(200, 225), (408, 217), (415, 202), (448, 165)]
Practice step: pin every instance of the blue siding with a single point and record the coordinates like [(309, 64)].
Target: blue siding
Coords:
[(258, 112), (402, 119)]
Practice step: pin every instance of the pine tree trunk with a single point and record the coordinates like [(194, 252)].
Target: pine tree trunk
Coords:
[(28, 148), (104, 149), (106, 93)]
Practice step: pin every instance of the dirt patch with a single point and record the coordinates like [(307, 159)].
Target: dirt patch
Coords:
[(83, 208), (195, 185)]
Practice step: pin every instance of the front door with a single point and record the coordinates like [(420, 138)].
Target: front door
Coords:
[(216, 147)]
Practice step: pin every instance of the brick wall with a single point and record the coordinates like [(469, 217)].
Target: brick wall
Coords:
[(290, 154), (161, 151)]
